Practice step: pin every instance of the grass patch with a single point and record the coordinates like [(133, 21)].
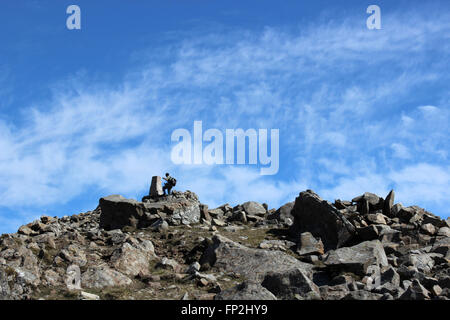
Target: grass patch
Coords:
[(250, 237)]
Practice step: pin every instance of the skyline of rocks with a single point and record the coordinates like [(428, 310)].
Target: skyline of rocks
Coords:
[(173, 247)]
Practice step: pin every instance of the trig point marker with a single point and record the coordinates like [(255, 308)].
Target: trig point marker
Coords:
[(156, 187)]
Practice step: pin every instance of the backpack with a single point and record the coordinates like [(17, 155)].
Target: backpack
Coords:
[(174, 182)]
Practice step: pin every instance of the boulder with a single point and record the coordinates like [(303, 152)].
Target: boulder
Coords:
[(5, 290), (376, 218), (283, 214), (415, 292), (444, 232), (387, 234), (218, 222), (282, 245), (248, 290), (389, 203), (381, 232), (178, 208), (336, 292), (442, 246), (27, 231), (423, 262), (254, 208), (118, 212), (204, 213), (51, 278), (436, 290), (407, 213), (395, 210), (74, 254), (216, 213), (375, 202), (362, 295), (322, 220), (239, 216), (357, 259), (291, 284), (99, 277), (160, 225), (428, 228), (169, 264), (250, 263), (181, 208), (309, 245), (89, 296), (342, 204), (16, 283), (134, 259), (193, 268), (389, 281), (368, 233), (436, 221), (116, 236)]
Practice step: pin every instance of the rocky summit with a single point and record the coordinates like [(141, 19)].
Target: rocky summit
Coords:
[(175, 247)]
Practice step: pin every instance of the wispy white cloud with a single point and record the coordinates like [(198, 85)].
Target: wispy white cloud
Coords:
[(419, 184), (344, 98), (239, 184), (423, 182), (400, 151)]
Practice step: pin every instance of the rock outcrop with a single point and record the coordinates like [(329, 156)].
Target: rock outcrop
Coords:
[(322, 220), (173, 247), (177, 208), (253, 264), (248, 290)]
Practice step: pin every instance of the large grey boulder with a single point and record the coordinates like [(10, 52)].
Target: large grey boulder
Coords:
[(250, 263), (362, 295), (322, 220), (16, 283), (118, 212), (177, 208), (381, 232), (418, 216), (389, 281), (309, 245), (423, 262), (248, 290), (357, 259), (284, 214), (415, 292), (23, 272), (291, 284), (5, 291), (254, 208), (100, 277), (389, 203), (134, 259), (442, 246), (368, 202)]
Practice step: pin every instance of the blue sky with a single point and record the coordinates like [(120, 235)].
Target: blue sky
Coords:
[(87, 113)]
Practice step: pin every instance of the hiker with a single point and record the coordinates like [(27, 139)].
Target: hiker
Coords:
[(171, 182)]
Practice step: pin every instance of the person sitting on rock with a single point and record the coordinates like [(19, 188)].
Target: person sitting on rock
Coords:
[(171, 182)]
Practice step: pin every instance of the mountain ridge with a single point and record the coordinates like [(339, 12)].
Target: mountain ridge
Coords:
[(175, 247)]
